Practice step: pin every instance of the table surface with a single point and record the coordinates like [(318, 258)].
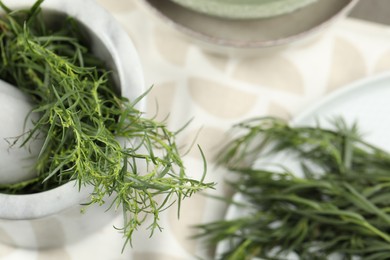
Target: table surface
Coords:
[(217, 92)]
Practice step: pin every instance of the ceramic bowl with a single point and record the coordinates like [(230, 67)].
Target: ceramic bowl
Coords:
[(52, 218), (244, 9), (250, 36)]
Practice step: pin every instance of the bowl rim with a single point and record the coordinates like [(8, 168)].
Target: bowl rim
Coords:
[(256, 44), (249, 10), (130, 77)]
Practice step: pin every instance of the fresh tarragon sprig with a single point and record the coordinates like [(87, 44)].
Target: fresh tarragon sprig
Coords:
[(334, 203), (83, 120)]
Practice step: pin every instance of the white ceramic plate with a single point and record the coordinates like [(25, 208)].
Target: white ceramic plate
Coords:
[(365, 102), (241, 36)]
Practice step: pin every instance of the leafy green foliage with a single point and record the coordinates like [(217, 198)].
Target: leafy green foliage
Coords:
[(82, 120), (340, 205)]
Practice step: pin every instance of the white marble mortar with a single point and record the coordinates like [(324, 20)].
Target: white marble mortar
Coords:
[(53, 218)]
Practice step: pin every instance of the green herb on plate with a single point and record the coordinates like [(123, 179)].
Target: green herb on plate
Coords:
[(83, 120), (335, 204)]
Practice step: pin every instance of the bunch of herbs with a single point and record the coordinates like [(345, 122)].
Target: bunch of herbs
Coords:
[(335, 204), (82, 119)]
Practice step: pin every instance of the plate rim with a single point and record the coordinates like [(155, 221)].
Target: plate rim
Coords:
[(343, 90)]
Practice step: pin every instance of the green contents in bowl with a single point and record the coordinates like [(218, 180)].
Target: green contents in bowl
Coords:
[(82, 118), (244, 9)]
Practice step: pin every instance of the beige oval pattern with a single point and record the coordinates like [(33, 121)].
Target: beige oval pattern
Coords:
[(191, 213), (170, 46), (275, 109), (50, 254), (218, 61), (154, 256), (160, 100), (220, 100), (48, 230), (347, 64), (210, 139), (383, 63), (275, 72), (4, 249), (118, 6)]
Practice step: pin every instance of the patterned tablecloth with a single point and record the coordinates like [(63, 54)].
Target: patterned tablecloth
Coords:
[(217, 92)]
